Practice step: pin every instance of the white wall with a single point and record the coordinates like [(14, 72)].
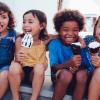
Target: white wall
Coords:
[(87, 7), (20, 6), (98, 3), (49, 7)]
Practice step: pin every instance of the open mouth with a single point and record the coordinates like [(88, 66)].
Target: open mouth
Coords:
[(69, 37), (27, 31)]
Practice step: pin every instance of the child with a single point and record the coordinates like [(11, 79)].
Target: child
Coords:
[(31, 61), (94, 88), (64, 64), (89, 38), (7, 41)]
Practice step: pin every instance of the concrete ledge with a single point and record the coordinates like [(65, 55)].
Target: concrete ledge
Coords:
[(44, 93)]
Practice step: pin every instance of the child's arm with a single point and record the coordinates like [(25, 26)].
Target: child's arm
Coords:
[(17, 47), (96, 61), (51, 37), (20, 54), (18, 34), (83, 44)]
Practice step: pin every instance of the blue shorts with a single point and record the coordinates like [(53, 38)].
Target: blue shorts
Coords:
[(4, 68)]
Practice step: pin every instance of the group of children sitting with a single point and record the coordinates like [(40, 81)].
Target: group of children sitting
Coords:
[(23, 56)]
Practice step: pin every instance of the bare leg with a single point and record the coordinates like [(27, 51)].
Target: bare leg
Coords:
[(3, 83), (37, 81), (81, 77), (63, 80), (15, 76), (94, 88)]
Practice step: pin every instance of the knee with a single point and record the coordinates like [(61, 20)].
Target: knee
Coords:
[(14, 69), (4, 75), (65, 77), (96, 76), (81, 77)]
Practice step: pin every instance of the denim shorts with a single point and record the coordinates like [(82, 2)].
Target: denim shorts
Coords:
[(4, 68)]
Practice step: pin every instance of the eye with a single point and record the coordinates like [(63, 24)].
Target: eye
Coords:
[(66, 30), (4, 17), (23, 22), (31, 22), (76, 30)]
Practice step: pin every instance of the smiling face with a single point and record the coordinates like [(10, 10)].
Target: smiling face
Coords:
[(31, 24), (4, 20), (69, 32), (97, 32)]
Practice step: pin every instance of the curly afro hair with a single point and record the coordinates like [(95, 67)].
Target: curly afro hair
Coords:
[(68, 15)]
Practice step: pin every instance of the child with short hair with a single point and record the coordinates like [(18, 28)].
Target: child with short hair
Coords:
[(64, 63), (7, 43)]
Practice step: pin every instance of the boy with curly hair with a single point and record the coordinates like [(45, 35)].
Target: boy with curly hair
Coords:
[(65, 65)]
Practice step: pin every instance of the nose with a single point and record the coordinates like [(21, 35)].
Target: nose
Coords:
[(70, 33), (25, 25)]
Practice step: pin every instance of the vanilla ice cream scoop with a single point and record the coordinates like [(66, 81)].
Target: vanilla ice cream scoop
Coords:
[(77, 44), (94, 47), (27, 40)]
